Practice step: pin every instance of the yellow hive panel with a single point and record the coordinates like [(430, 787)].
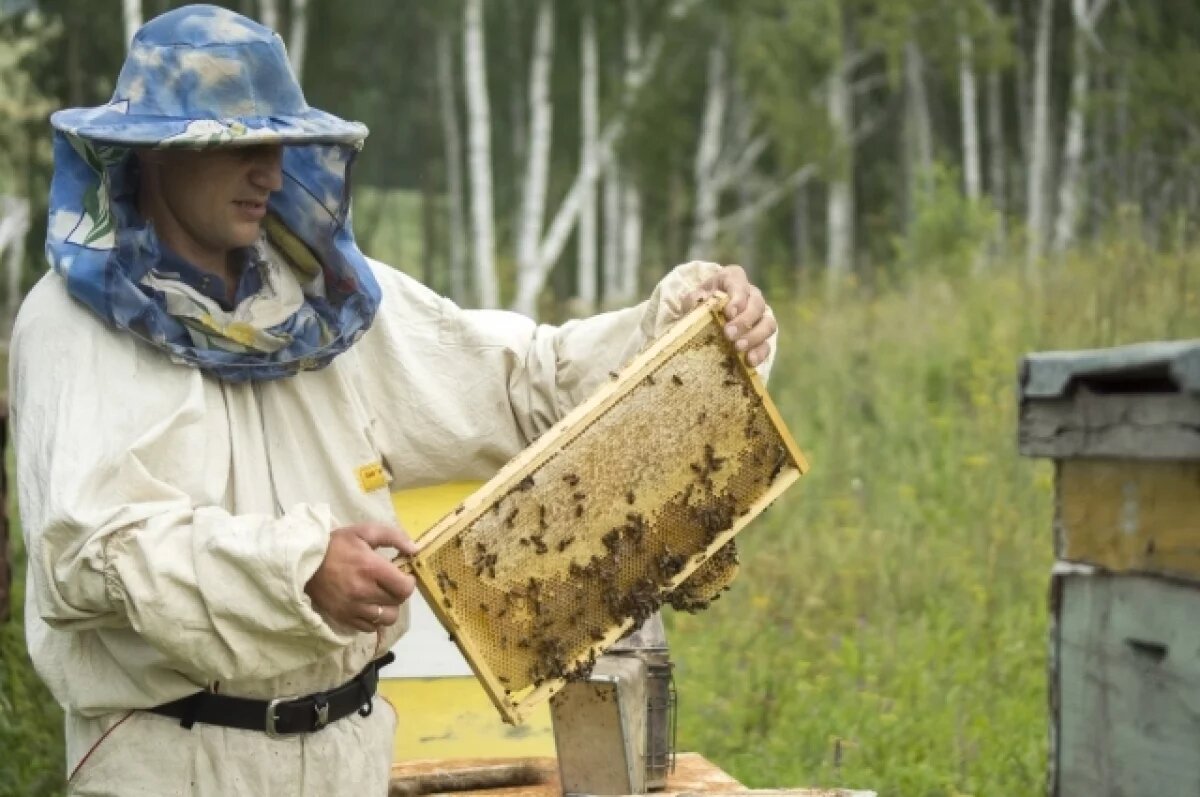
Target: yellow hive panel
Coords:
[(1130, 515), (590, 529)]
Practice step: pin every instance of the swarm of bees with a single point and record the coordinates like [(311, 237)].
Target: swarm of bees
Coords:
[(543, 578)]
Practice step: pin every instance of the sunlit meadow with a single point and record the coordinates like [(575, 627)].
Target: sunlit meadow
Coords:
[(888, 630)]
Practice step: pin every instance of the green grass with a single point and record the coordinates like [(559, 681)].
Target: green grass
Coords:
[(32, 761), (889, 626)]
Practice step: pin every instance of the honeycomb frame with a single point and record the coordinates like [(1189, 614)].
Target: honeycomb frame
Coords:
[(603, 547)]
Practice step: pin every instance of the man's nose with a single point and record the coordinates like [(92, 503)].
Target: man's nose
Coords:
[(267, 170)]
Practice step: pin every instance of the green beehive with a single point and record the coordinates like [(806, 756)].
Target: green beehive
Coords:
[(1123, 428)]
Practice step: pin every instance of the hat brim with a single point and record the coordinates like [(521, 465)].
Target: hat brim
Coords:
[(109, 124)]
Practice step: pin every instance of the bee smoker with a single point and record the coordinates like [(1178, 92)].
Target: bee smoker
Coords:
[(615, 732)]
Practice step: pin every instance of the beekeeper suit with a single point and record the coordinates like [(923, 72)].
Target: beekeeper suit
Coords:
[(182, 462)]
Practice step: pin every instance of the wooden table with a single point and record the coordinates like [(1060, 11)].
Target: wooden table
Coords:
[(693, 774)]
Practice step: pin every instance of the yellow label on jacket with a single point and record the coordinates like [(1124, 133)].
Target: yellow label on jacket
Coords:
[(372, 477)]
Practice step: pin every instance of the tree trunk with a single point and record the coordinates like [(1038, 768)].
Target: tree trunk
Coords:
[(801, 239), (1085, 16), (631, 201), (479, 126), (1039, 167), (611, 262), (747, 255), (268, 14), (131, 14), (452, 142), (1021, 79), (426, 146), (1125, 164), (297, 44), (14, 226), (518, 111), (917, 141), (972, 172), (708, 150), (840, 195), (530, 282), (676, 213), (631, 240), (537, 160), (589, 100), (996, 155)]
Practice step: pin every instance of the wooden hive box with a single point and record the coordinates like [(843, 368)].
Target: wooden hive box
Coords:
[(1123, 428), (589, 530)]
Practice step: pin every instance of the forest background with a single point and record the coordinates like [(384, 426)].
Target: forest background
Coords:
[(925, 189)]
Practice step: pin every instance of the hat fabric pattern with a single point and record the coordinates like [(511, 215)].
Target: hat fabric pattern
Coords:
[(201, 77)]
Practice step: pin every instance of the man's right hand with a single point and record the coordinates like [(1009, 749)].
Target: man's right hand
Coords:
[(356, 586)]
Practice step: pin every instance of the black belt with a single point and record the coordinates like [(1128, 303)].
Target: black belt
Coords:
[(282, 716)]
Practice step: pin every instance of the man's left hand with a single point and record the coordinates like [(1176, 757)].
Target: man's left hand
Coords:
[(748, 325)]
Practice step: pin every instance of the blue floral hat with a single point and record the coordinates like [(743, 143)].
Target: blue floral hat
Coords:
[(202, 76), (199, 77)]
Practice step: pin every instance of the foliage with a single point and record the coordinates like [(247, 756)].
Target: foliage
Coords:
[(889, 629), (22, 102), (948, 233), (30, 720)]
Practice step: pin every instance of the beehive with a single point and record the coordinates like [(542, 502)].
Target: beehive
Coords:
[(1123, 428), (589, 530)]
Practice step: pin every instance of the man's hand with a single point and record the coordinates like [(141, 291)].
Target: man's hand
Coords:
[(749, 326), (356, 586)]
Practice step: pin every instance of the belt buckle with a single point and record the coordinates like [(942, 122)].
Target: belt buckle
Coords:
[(271, 718)]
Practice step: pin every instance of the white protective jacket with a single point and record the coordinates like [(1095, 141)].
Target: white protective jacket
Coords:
[(172, 519)]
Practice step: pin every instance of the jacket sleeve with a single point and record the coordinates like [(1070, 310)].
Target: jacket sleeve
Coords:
[(460, 392), (106, 433)]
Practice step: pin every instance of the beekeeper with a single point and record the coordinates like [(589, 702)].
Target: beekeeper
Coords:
[(213, 394)]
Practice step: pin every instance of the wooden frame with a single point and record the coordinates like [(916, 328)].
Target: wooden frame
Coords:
[(518, 472)]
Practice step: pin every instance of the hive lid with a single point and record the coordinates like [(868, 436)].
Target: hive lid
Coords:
[(586, 533), (1161, 366)]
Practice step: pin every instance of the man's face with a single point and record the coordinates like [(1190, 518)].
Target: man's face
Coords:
[(216, 198)]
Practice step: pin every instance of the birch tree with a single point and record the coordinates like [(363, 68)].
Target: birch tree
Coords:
[(997, 166), (589, 101), (839, 205), (532, 273), (452, 142), (708, 150), (622, 198), (537, 158), (268, 13), (918, 127), (131, 15), (968, 100), (14, 225), (630, 244), (479, 132), (1039, 140), (610, 238), (297, 44), (1085, 14)]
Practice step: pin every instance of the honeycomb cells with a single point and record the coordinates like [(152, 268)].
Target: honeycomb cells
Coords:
[(599, 534)]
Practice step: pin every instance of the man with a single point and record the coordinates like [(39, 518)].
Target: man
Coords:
[(214, 392)]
